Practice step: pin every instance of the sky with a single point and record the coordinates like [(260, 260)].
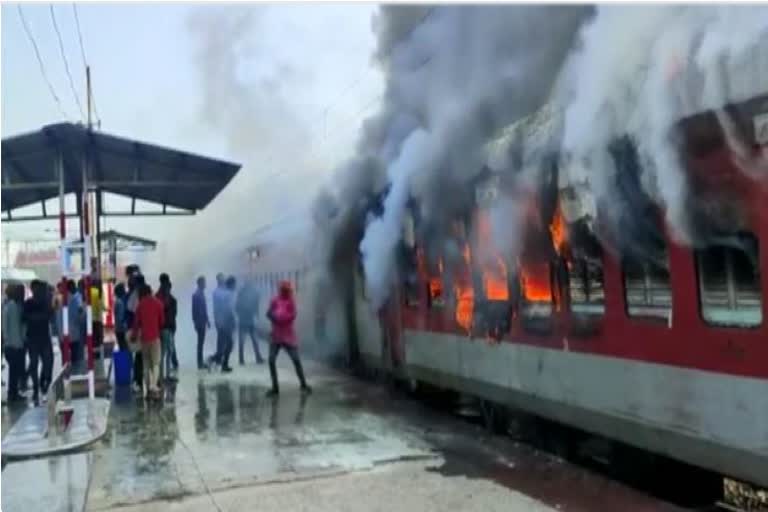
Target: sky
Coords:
[(281, 89)]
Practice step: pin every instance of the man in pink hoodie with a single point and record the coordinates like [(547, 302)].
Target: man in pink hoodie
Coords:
[(282, 313)]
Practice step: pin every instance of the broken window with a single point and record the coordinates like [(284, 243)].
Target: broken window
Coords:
[(648, 289), (585, 284), (729, 283), (537, 305), (435, 290)]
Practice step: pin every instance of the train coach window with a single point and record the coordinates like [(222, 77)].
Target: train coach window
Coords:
[(585, 286), (648, 290), (435, 292), (729, 284)]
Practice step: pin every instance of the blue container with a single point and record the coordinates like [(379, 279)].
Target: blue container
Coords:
[(122, 363)]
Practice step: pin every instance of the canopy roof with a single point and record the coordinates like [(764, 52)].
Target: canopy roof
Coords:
[(124, 241), (118, 165)]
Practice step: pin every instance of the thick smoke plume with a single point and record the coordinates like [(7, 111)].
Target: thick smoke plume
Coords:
[(252, 114), (638, 72), (616, 81), (455, 77)]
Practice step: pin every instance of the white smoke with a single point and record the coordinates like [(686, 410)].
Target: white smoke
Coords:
[(457, 76), (641, 70)]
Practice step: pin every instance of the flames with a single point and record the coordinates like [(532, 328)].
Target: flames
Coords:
[(436, 284), (534, 280), (536, 286), (465, 294), (558, 230), (492, 266)]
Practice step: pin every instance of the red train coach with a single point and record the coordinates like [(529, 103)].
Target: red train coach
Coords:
[(634, 337), (663, 346)]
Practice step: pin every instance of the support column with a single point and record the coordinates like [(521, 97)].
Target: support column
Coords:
[(87, 280), (64, 342)]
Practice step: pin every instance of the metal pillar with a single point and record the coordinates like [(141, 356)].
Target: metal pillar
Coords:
[(64, 342)]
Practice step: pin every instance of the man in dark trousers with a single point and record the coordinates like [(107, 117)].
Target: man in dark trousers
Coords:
[(168, 332), (247, 306), (37, 315), (135, 282), (200, 319)]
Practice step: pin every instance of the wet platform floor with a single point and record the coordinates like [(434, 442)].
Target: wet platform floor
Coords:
[(217, 443)]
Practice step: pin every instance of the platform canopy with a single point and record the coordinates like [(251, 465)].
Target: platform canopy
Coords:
[(124, 242), (180, 182)]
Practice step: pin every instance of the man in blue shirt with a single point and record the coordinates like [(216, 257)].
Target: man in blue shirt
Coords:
[(222, 308), (200, 319)]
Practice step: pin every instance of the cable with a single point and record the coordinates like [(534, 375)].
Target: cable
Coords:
[(85, 62), (66, 62), (42, 66), (79, 33)]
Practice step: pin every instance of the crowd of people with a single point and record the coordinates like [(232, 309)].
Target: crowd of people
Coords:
[(145, 324), (27, 330)]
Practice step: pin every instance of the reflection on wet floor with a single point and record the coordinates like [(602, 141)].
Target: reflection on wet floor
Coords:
[(217, 432), (222, 431)]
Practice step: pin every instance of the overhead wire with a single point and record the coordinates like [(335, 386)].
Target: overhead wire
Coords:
[(66, 63), (51, 89), (85, 62)]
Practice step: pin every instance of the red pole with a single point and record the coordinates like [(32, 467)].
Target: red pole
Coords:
[(64, 342), (110, 305)]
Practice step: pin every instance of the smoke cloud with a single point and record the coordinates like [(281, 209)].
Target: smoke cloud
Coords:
[(245, 102), (638, 72), (615, 80), (455, 77)]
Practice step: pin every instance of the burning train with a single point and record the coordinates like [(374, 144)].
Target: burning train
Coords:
[(660, 345)]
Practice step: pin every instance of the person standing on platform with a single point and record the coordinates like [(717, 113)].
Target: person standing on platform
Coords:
[(169, 327), (220, 304), (282, 314), (135, 283), (13, 339), (76, 324), (37, 315), (229, 322), (121, 326), (224, 320), (247, 308), (147, 324), (200, 319)]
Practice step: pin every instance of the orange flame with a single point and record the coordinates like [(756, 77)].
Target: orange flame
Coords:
[(535, 283), (493, 268), (436, 283), (465, 295), (558, 230)]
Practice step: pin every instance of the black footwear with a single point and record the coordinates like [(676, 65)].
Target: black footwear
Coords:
[(273, 393), (259, 360), (226, 370), (306, 389)]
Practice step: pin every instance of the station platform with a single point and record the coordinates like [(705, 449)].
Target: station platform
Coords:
[(31, 437), (216, 442)]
